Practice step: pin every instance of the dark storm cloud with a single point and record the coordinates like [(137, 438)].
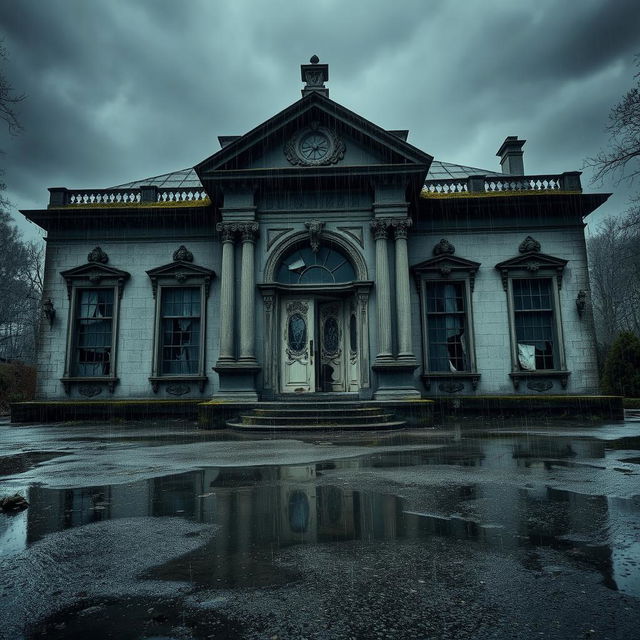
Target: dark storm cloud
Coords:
[(120, 90)]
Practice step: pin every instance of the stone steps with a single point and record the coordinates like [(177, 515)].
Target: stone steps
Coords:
[(319, 416)]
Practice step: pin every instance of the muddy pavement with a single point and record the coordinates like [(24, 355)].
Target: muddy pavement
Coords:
[(164, 531)]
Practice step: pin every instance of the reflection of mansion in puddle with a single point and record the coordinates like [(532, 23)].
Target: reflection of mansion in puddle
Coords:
[(262, 509), (319, 253)]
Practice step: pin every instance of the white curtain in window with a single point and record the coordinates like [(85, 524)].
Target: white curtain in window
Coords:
[(527, 357)]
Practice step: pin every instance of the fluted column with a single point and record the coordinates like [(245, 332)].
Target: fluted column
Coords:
[(227, 288), (383, 293), (248, 292), (403, 289)]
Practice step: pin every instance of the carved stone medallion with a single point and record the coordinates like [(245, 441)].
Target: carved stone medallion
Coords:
[(540, 385), (178, 389), (451, 387), (89, 390), (314, 146)]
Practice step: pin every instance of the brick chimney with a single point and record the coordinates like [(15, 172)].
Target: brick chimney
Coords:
[(510, 154)]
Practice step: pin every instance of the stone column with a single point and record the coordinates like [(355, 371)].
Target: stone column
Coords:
[(227, 289), (403, 290), (383, 294), (248, 293)]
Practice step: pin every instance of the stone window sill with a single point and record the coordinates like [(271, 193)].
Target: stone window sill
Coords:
[(89, 386)]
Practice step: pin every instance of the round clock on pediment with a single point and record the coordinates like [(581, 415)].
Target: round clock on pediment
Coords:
[(314, 146)]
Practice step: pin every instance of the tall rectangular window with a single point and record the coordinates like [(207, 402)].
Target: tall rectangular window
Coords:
[(534, 323), (93, 332), (446, 326), (180, 328)]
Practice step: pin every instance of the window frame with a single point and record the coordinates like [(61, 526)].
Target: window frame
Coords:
[(533, 265), (94, 275), (178, 274), (447, 268)]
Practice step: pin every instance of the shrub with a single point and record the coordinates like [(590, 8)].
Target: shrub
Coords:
[(622, 367), (17, 384)]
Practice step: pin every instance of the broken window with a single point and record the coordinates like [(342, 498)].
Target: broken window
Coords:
[(447, 326), (534, 323), (180, 319), (93, 332)]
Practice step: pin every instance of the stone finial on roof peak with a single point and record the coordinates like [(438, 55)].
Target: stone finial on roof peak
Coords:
[(314, 75)]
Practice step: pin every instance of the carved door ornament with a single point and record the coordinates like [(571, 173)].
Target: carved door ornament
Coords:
[(296, 332)]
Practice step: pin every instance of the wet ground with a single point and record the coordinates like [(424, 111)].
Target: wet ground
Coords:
[(162, 531)]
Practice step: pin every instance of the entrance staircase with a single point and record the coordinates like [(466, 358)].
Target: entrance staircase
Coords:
[(300, 415)]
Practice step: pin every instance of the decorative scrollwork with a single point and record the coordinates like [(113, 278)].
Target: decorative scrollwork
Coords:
[(379, 227), (444, 247), (581, 301), (98, 255), (451, 387), (529, 245), (314, 146), (401, 226), (89, 390), (182, 254), (539, 385), (315, 229), (178, 389)]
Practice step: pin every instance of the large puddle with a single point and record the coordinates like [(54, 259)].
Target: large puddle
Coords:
[(261, 510)]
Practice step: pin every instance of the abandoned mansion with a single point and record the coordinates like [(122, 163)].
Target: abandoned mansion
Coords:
[(319, 254)]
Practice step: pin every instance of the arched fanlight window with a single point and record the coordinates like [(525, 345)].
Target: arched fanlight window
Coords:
[(326, 266)]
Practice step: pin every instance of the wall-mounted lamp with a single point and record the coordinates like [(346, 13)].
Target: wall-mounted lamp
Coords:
[(48, 311), (581, 301)]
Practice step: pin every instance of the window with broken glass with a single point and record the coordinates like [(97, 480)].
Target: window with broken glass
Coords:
[(534, 323), (93, 341), (180, 329), (325, 266), (447, 326)]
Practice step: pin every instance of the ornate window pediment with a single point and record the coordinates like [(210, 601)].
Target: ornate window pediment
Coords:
[(533, 264), (445, 284), (95, 274), (533, 300), (445, 265), (181, 289), (181, 272), (91, 352)]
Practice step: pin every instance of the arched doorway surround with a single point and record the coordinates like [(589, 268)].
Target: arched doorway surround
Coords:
[(316, 317)]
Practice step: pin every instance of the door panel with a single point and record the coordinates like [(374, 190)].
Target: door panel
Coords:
[(332, 345), (297, 334), (353, 339)]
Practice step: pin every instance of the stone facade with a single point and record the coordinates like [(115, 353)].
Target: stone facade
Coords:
[(315, 267)]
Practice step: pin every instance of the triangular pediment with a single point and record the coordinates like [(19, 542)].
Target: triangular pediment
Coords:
[(532, 261), (95, 274), (351, 141), (94, 270), (446, 263), (180, 272)]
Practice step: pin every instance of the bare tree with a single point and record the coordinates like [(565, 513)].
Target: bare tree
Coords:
[(8, 99), (614, 269), (622, 157)]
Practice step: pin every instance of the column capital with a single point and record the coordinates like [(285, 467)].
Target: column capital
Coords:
[(401, 227), (227, 231), (379, 227), (248, 231)]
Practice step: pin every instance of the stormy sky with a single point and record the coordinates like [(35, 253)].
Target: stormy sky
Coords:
[(121, 90)]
